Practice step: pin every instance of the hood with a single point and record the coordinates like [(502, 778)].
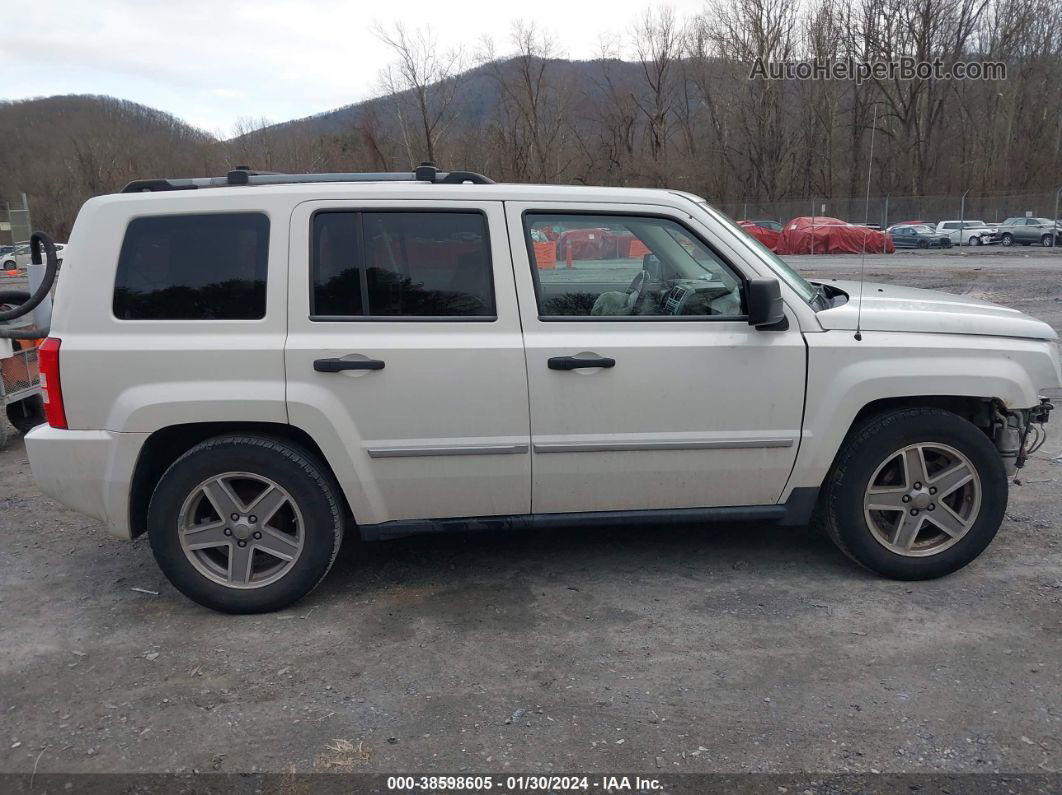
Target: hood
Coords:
[(887, 307)]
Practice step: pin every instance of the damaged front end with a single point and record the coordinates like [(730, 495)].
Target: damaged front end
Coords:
[(1018, 433)]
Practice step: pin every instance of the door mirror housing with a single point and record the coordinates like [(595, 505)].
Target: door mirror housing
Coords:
[(765, 307)]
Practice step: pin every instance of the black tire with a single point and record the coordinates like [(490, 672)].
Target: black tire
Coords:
[(1007, 239), (1045, 241), (26, 414), (297, 471), (975, 241), (923, 244), (867, 447), (946, 243)]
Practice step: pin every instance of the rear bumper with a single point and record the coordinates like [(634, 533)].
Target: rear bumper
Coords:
[(89, 471)]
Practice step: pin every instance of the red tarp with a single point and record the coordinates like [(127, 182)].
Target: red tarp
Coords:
[(823, 235), (599, 243), (585, 244), (766, 236)]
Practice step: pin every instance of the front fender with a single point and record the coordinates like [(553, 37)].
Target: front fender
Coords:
[(845, 375)]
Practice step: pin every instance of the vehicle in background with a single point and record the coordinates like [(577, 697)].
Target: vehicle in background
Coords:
[(920, 236), (1027, 231), (966, 233), (19, 256), (908, 223), (765, 234), (766, 223)]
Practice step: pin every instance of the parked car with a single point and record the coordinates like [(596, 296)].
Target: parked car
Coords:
[(19, 256), (767, 223), (966, 233), (252, 366), (1027, 231), (919, 237)]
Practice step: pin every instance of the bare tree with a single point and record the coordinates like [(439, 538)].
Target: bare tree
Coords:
[(658, 43), (423, 85), (534, 106)]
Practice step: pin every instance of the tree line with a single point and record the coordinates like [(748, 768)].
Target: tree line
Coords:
[(668, 103)]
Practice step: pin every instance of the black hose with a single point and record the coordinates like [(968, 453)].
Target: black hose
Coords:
[(37, 241)]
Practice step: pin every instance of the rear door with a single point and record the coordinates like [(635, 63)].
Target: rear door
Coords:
[(404, 356)]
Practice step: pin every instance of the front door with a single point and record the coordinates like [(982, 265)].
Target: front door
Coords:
[(648, 387), (404, 356)]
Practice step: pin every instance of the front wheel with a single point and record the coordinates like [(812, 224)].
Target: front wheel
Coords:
[(245, 524), (975, 241), (1007, 239), (1045, 241), (915, 494), (923, 244)]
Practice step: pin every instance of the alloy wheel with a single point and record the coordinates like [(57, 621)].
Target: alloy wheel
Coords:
[(241, 530), (922, 499)]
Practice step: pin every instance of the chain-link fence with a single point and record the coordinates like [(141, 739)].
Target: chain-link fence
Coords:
[(887, 210)]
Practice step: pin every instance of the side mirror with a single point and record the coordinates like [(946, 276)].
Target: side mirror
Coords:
[(765, 307)]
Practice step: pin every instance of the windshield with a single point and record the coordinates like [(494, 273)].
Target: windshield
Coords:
[(777, 264)]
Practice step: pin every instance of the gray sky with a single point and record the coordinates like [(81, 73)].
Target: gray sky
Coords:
[(211, 62)]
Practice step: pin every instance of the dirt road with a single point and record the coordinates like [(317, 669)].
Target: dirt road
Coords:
[(746, 648)]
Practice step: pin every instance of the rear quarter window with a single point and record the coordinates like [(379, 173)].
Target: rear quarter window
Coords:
[(193, 267)]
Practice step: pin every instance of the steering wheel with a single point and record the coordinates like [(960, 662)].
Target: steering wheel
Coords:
[(636, 291)]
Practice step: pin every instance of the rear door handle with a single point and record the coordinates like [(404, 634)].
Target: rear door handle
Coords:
[(338, 365), (573, 363)]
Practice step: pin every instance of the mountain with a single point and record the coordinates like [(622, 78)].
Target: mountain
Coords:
[(476, 100)]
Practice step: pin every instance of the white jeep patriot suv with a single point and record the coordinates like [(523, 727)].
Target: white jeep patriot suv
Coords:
[(246, 367)]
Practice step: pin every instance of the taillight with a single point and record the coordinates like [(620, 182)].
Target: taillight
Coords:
[(51, 387)]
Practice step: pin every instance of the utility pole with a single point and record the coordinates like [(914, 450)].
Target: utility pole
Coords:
[(1054, 237), (962, 216)]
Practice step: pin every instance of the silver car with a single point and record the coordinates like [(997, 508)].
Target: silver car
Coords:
[(1027, 231)]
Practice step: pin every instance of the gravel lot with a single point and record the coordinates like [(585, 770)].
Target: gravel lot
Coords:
[(746, 648)]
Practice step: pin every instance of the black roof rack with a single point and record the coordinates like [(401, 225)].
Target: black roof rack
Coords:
[(242, 175)]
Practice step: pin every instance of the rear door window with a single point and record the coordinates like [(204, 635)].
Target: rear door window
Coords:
[(193, 267), (401, 265)]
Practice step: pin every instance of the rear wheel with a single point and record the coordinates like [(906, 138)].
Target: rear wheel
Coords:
[(915, 494), (245, 524), (26, 414)]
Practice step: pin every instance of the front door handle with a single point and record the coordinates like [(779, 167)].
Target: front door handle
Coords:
[(573, 363), (338, 365)]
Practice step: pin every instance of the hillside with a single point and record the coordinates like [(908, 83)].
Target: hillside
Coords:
[(61, 150)]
